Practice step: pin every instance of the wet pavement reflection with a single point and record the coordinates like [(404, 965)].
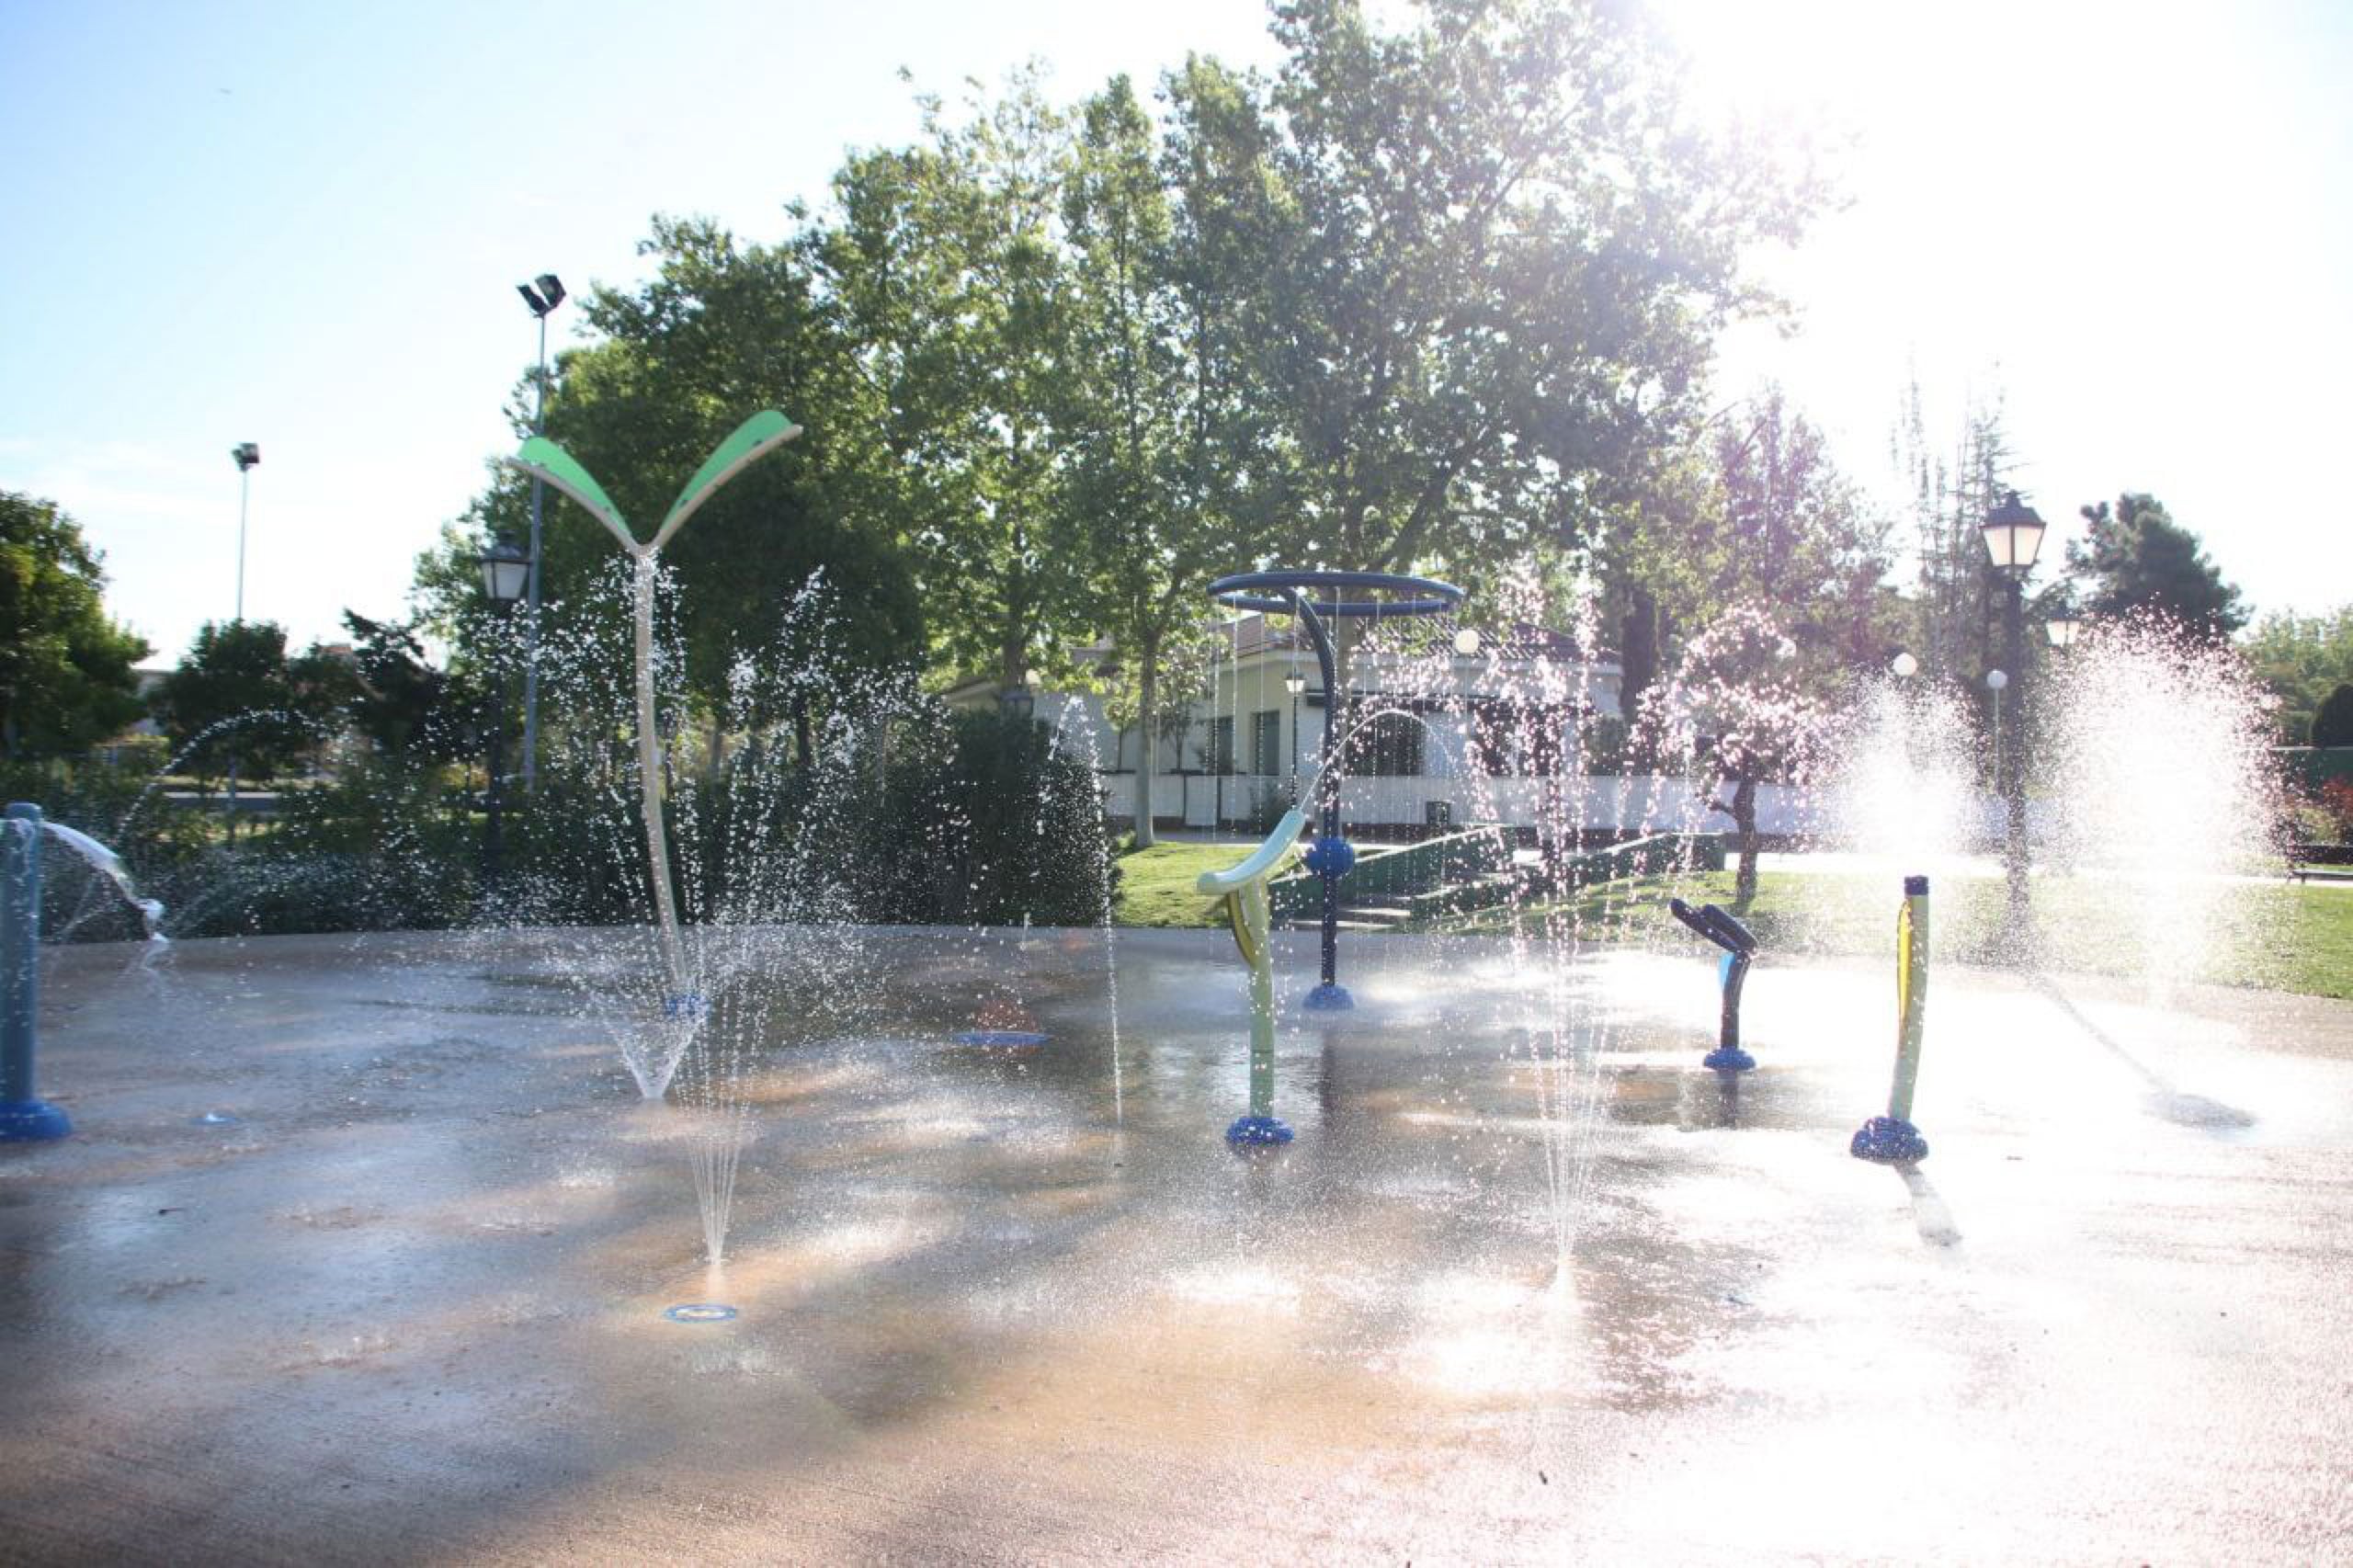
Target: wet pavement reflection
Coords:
[(1530, 1282)]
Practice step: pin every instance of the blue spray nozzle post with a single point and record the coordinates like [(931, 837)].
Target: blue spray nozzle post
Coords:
[(1728, 933), (1714, 924), (1739, 944)]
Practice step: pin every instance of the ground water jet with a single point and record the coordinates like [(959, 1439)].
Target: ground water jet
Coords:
[(2157, 779)]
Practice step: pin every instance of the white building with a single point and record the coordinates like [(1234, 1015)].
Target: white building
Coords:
[(1441, 738)]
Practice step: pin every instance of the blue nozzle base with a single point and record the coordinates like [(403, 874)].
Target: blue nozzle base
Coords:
[(1329, 998), (1257, 1133), (1888, 1141), (1728, 1059), (32, 1121)]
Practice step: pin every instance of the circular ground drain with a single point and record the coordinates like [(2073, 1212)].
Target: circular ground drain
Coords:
[(1002, 1039), (213, 1119), (698, 1311)]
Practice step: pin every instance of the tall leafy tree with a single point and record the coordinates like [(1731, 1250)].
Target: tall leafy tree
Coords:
[(404, 707), (1161, 429), (2134, 559), (2333, 722), (66, 665), (1504, 259), (2301, 659), (944, 269), (1951, 491), (254, 709), (721, 329)]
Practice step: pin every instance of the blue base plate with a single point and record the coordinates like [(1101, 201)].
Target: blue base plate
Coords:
[(1332, 998), (1728, 1059), (1001, 1039), (1888, 1141), (1257, 1133), (699, 1312), (32, 1121)]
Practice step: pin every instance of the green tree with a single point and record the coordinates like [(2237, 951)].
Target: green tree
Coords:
[(1954, 602), (1501, 264), (405, 709), (944, 268), (65, 667), (1760, 517), (720, 329), (2136, 559), (2333, 725), (1161, 429), (237, 693), (2301, 658)]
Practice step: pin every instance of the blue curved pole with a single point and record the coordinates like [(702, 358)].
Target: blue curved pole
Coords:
[(1329, 993)]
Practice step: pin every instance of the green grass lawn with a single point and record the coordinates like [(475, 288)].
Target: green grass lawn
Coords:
[(1156, 884), (2273, 935)]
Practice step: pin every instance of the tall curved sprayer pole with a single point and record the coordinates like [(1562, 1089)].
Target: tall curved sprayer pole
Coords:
[(1243, 889), (543, 460)]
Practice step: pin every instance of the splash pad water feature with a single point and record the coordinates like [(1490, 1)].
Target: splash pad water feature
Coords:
[(947, 1261)]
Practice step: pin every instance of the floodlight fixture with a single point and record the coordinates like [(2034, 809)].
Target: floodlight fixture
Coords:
[(544, 297), (246, 455)]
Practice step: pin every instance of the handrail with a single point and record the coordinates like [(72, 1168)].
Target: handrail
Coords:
[(1262, 859)]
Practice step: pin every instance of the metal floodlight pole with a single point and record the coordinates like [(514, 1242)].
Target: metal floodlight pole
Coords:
[(543, 302), (248, 456), (244, 505)]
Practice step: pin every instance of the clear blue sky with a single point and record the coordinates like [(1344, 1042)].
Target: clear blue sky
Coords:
[(300, 225)]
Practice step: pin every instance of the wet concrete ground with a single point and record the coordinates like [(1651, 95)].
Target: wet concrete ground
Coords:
[(407, 1305)]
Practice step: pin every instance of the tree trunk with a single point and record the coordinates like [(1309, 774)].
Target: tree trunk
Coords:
[(1147, 719), (1744, 822), (804, 736), (1638, 671)]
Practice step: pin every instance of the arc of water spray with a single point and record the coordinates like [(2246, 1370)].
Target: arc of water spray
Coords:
[(543, 460)]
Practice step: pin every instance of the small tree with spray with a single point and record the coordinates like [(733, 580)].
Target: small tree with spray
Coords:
[(1743, 709)]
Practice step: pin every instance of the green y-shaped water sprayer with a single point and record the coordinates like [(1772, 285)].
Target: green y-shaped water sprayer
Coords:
[(1243, 888), (543, 460)]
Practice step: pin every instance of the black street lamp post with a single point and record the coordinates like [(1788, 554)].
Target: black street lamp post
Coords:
[(2013, 537), (506, 570)]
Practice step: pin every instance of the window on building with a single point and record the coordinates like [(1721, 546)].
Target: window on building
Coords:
[(1217, 752), (1266, 742)]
